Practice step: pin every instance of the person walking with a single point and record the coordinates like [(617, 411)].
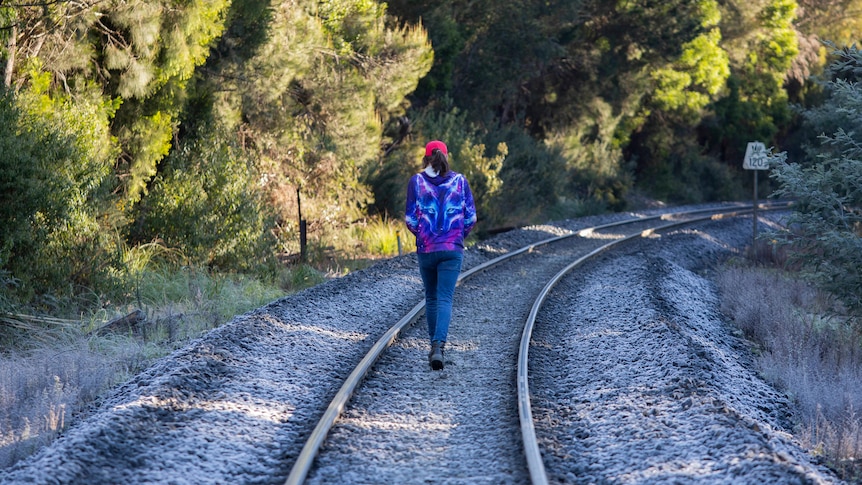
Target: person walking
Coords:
[(440, 212)]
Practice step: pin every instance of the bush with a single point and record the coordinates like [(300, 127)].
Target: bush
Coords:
[(207, 203), (59, 224)]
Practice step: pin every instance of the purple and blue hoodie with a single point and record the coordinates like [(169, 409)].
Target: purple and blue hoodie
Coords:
[(440, 211)]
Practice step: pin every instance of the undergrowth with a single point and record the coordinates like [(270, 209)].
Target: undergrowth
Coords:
[(56, 356), (809, 346), (53, 367)]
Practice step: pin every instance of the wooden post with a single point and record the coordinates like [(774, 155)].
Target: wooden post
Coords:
[(303, 241), (398, 237)]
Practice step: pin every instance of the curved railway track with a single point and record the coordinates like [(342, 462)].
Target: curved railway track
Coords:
[(569, 251)]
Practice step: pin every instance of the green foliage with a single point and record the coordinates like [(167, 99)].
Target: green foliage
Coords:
[(7, 17), (152, 49), (314, 114), (203, 299), (57, 216), (300, 277), (140, 52), (381, 237), (514, 155), (669, 162), (582, 78), (551, 108), (685, 174), (207, 203), (699, 75), (388, 177), (724, 90), (147, 139), (836, 20), (263, 121), (756, 104), (534, 179), (827, 219), (519, 181), (448, 41)]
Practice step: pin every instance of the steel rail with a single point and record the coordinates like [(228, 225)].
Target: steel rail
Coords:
[(304, 461), (536, 466)]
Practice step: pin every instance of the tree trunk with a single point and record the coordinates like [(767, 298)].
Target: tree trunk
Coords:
[(10, 60)]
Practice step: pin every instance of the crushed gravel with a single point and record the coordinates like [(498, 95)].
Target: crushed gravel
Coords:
[(656, 387), (236, 405)]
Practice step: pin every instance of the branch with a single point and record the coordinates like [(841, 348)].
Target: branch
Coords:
[(38, 4), (10, 59)]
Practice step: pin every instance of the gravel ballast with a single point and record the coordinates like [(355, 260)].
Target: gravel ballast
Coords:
[(655, 388), (236, 405)]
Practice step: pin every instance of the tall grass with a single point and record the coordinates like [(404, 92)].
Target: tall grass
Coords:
[(383, 238), (41, 390), (357, 245), (186, 302), (810, 348), (51, 368)]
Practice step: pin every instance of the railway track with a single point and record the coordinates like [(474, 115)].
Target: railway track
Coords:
[(409, 424), (246, 402)]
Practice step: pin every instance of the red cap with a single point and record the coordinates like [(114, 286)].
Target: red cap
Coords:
[(429, 148)]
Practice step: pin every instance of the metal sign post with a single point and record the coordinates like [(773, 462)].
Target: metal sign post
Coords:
[(757, 158)]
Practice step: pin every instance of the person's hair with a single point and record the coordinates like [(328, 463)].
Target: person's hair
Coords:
[(438, 161)]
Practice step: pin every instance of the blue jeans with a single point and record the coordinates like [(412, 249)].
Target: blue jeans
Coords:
[(439, 272)]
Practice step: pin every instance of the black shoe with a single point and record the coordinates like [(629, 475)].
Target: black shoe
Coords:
[(435, 357)]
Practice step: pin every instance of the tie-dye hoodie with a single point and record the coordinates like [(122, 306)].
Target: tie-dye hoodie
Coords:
[(440, 211)]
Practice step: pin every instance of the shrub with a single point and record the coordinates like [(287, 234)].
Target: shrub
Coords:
[(381, 237), (208, 204), (56, 213)]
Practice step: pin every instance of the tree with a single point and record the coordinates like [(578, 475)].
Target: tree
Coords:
[(141, 53), (207, 200), (630, 102), (827, 217), (311, 100), (757, 104), (147, 51), (49, 30)]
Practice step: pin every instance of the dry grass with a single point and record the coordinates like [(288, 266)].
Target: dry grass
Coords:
[(810, 348), (52, 369), (42, 391)]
